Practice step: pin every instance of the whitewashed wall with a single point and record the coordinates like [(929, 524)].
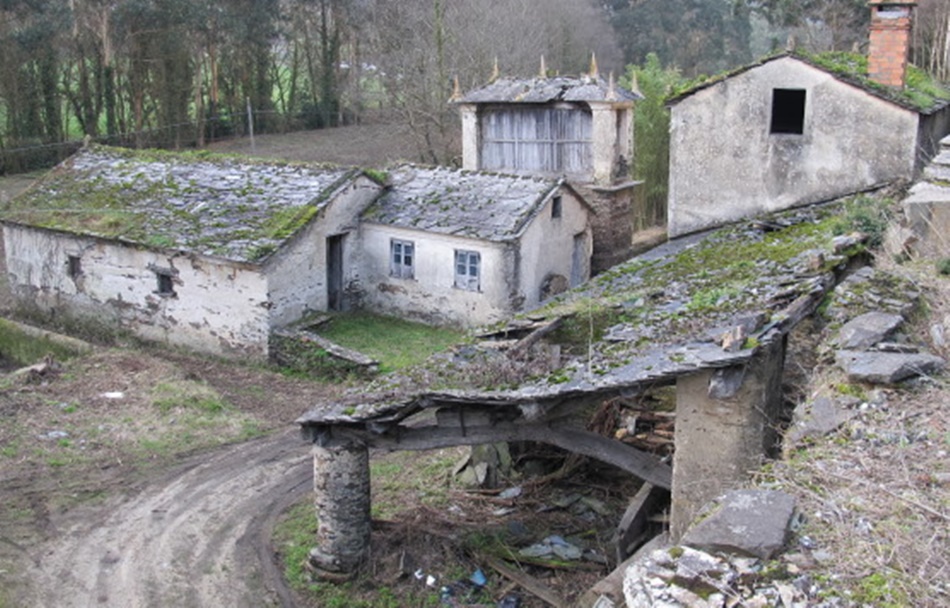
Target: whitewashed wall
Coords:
[(725, 165), (218, 307), (431, 295), (547, 246), (297, 274)]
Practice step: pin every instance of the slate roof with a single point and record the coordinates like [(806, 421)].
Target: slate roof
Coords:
[(238, 209), (547, 90), (474, 204), (922, 102)]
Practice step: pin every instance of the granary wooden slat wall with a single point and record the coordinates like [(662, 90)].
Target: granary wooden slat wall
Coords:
[(537, 140)]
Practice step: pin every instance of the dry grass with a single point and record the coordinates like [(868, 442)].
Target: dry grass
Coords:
[(365, 145), (876, 495)]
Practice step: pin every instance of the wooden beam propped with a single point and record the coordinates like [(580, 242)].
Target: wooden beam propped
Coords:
[(477, 431)]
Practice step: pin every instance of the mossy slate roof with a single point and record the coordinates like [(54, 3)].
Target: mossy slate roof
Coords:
[(237, 209), (924, 97), (549, 90), (473, 204)]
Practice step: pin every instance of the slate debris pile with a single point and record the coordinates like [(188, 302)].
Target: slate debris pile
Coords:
[(746, 548), (733, 556), (870, 347)]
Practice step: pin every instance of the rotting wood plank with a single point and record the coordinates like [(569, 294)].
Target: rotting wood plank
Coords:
[(526, 581), (635, 524), (522, 346)]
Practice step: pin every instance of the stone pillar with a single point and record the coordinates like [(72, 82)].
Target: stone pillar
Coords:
[(470, 152), (604, 136), (341, 485), (725, 426)]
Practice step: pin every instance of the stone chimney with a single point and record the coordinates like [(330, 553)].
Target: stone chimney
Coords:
[(890, 40)]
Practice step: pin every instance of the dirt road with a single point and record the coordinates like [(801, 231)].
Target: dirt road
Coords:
[(199, 536)]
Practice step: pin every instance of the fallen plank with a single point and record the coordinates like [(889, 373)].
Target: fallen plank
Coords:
[(534, 337), (527, 582)]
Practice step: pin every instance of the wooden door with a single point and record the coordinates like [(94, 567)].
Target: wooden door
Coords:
[(335, 272)]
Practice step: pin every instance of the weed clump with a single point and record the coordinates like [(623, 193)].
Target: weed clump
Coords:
[(868, 215)]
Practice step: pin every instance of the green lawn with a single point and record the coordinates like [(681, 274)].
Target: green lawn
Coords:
[(395, 343)]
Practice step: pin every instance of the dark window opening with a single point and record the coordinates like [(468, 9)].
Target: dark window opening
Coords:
[(788, 111), (74, 266), (166, 285), (556, 207)]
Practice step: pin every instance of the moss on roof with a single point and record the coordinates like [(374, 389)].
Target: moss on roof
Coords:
[(475, 204), (219, 205), (922, 92)]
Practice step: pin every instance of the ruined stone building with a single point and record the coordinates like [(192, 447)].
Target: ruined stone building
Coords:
[(795, 129), (217, 253)]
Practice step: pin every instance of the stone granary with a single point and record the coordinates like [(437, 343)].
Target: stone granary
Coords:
[(927, 212), (217, 253), (578, 128), (716, 332), (795, 129)]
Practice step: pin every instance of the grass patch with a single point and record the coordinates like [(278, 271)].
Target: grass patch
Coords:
[(25, 349), (425, 477), (395, 343), (294, 536), (866, 214), (188, 395)]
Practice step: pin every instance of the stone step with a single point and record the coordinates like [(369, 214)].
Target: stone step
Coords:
[(937, 173), (942, 158)]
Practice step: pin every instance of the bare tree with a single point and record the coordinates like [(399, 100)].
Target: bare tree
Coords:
[(422, 45), (932, 38)]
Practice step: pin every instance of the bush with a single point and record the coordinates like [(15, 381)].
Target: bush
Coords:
[(868, 215)]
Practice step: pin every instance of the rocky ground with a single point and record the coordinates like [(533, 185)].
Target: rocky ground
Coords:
[(864, 468)]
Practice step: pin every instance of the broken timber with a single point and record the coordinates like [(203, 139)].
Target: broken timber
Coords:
[(726, 395)]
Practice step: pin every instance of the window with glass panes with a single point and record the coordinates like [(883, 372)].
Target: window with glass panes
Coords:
[(401, 259), (467, 265)]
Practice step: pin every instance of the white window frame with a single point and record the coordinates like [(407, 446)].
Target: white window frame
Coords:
[(402, 260), (468, 267)]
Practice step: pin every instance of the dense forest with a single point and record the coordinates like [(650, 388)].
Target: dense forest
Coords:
[(180, 73)]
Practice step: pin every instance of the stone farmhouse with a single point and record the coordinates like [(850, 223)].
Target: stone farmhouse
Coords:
[(206, 253), (217, 253), (463, 247), (796, 129)]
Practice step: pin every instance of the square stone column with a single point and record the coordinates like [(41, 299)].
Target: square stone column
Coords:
[(725, 426)]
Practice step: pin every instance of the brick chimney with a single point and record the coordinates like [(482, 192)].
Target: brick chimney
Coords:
[(890, 40)]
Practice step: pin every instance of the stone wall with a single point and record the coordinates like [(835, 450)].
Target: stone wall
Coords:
[(214, 306), (611, 224), (727, 164)]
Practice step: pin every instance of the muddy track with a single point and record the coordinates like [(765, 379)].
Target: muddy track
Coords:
[(198, 536)]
